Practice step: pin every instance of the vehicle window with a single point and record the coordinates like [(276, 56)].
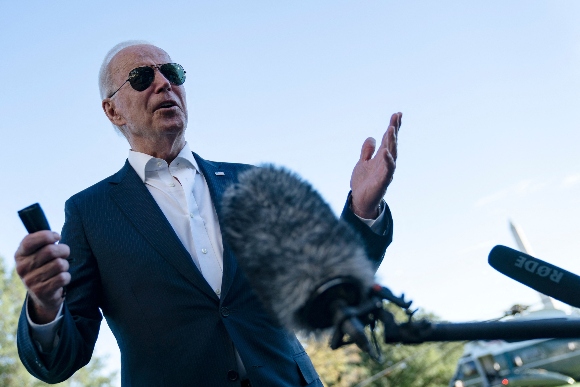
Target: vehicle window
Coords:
[(561, 346), (469, 370), (500, 364), (531, 354), (528, 354)]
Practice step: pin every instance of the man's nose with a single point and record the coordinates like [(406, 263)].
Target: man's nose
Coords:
[(160, 83)]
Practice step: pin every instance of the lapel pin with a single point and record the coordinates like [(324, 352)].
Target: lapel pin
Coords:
[(220, 174)]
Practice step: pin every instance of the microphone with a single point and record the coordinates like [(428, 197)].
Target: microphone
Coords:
[(311, 272), (33, 218), (537, 274), (306, 266)]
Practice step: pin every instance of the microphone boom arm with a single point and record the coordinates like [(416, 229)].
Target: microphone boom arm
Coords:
[(350, 321)]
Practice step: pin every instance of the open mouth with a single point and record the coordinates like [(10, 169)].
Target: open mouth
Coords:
[(166, 105)]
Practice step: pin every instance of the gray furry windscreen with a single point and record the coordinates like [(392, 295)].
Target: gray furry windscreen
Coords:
[(288, 241)]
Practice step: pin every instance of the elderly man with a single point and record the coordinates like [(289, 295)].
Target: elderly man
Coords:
[(145, 247)]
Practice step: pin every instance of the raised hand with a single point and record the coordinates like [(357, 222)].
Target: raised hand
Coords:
[(372, 175)]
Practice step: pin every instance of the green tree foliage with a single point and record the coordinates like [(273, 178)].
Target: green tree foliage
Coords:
[(340, 368), (424, 365), (12, 372)]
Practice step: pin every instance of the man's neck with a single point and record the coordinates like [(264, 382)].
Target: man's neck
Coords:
[(165, 148)]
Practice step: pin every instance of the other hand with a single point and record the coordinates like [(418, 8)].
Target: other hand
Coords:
[(372, 175), (43, 268)]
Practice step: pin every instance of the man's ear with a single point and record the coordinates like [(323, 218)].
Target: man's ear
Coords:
[(112, 113)]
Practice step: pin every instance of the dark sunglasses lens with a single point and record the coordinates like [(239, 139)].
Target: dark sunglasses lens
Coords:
[(173, 72), (141, 78)]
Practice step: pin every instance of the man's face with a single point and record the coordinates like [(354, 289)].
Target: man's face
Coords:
[(156, 111)]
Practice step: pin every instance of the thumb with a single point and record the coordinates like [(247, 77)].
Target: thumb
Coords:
[(368, 148)]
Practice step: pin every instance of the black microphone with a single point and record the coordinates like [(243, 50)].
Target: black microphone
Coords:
[(537, 274), (33, 218), (305, 265)]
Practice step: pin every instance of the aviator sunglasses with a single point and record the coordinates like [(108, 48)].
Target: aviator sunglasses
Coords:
[(141, 78)]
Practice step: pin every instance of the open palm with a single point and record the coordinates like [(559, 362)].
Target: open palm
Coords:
[(372, 175)]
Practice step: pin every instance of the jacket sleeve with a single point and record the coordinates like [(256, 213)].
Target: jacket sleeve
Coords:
[(375, 244), (81, 314)]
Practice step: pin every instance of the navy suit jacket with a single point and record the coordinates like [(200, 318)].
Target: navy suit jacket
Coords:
[(171, 328)]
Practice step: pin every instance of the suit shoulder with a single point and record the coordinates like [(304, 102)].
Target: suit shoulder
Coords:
[(216, 166), (238, 166), (100, 188)]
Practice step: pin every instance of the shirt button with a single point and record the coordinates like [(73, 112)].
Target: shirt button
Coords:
[(191, 214), (225, 312), (233, 375), (204, 251), (218, 292), (159, 163), (172, 184)]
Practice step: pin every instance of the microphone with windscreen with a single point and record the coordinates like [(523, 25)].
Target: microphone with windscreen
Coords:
[(306, 266), (310, 271)]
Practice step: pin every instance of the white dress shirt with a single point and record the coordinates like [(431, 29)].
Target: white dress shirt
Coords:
[(183, 195)]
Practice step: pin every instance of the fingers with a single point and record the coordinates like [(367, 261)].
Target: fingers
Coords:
[(46, 272), (28, 263), (391, 165), (396, 120), (45, 286), (368, 149), (46, 281), (389, 140), (392, 143), (33, 242), (43, 268)]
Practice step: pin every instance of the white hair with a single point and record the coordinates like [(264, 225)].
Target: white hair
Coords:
[(105, 76), (105, 81)]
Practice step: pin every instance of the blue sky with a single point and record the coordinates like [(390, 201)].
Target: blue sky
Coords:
[(489, 91)]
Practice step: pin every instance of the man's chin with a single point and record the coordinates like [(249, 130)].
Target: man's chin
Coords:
[(172, 126)]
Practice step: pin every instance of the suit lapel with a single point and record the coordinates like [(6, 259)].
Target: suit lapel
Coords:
[(134, 199), (219, 176)]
